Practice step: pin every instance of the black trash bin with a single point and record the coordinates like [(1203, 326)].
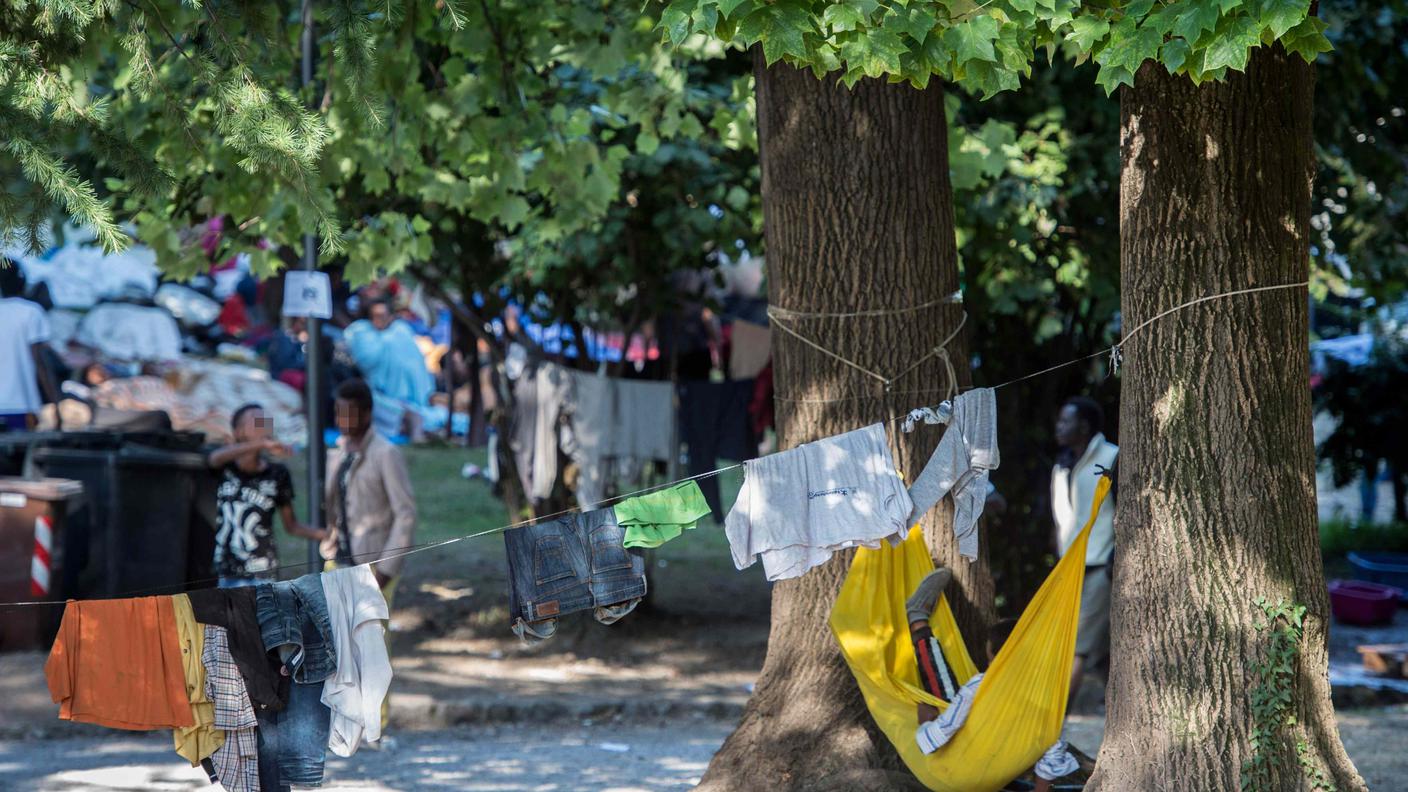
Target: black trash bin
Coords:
[(142, 527)]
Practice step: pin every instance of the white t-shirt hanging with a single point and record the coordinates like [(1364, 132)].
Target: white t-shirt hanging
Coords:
[(798, 507), (355, 691)]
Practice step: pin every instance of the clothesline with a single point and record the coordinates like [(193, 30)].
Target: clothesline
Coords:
[(418, 548), (1113, 351)]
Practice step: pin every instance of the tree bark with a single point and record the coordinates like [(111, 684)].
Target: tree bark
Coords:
[(858, 215), (1217, 481)]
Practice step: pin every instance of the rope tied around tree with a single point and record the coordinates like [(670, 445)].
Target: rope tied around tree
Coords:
[(776, 315)]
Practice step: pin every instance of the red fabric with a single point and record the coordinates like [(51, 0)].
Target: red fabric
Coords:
[(761, 409), (293, 378), (234, 319)]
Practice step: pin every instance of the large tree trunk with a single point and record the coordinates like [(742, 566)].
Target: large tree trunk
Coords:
[(858, 215), (1217, 481)]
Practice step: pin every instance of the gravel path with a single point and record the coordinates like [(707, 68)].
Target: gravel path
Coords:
[(601, 757), (635, 758)]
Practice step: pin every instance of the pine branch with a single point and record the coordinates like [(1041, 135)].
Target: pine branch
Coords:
[(63, 185)]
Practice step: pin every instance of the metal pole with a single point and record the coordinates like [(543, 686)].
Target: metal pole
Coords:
[(315, 388), (447, 367)]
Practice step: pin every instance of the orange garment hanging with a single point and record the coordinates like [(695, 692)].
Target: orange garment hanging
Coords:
[(117, 663), (1021, 702)]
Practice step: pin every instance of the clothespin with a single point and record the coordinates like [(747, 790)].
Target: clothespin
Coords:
[(929, 415), (1116, 358)]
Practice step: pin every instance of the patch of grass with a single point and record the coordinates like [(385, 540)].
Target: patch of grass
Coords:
[(1338, 537), (447, 504)]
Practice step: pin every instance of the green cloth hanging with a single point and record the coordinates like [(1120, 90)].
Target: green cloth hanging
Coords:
[(653, 519)]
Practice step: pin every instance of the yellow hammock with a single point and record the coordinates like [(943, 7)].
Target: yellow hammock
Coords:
[(1021, 702)]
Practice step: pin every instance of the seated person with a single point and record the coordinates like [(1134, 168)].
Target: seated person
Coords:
[(935, 728)]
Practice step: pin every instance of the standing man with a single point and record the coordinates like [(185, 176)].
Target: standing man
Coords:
[(369, 503), (24, 329), (252, 488), (1083, 452)]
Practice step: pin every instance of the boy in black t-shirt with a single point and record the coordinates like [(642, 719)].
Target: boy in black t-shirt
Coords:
[(251, 489)]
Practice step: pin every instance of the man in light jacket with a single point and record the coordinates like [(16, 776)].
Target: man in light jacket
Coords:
[(370, 507), (1083, 453)]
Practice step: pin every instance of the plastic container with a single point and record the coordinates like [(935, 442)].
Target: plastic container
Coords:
[(1357, 602), (32, 517), (1390, 569)]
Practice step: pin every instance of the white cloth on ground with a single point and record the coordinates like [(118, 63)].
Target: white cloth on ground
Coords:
[(935, 734), (80, 274), (356, 610), (131, 332), (798, 507), (22, 325), (960, 465), (1073, 493)]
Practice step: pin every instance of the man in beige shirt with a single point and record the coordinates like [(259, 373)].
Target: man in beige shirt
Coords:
[(371, 510)]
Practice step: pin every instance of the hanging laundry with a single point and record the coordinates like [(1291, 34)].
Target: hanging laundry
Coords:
[(798, 507), (194, 743), (539, 397), (655, 518), (617, 423), (294, 621), (749, 349), (590, 444), (715, 424), (357, 611), (570, 564), (233, 609), (235, 764), (960, 465), (117, 663)]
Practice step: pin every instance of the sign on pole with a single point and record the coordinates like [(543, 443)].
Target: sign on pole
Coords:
[(307, 294)]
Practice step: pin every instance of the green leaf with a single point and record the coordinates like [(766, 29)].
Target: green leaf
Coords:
[(1174, 54), (1307, 39), (1025, 6), (1231, 44), (1163, 19), (1129, 50), (1112, 77), (874, 55), (675, 21), (737, 198), (1199, 15), (1086, 30), (916, 23), (972, 40), (1282, 15), (1138, 9), (647, 143), (727, 7), (513, 212), (989, 79), (842, 17)]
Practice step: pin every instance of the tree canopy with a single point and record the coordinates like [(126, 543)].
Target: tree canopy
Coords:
[(498, 132), (988, 47)]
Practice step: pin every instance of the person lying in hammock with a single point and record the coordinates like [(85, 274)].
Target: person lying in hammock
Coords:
[(936, 728)]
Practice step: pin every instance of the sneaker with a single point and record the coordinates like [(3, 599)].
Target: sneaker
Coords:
[(922, 602)]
